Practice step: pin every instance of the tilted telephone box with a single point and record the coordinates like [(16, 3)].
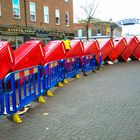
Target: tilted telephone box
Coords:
[(6, 58)]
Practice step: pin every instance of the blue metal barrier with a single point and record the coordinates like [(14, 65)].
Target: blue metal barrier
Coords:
[(70, 67), (52, 74), (100, 60), (22, 87), (88, 63), (1, 99)]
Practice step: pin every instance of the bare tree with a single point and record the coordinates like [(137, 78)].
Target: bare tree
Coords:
[(89, 10)]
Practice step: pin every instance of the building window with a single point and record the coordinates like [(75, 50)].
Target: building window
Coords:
[(46, 14), (32, 11), (66, 0), (89, 32), (57, 15), (107, 30), (99, 32), (15, 41), (79, 32), (16, 8), (67, 19)]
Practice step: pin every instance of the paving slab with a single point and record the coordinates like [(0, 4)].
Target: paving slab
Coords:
[(101, 106)]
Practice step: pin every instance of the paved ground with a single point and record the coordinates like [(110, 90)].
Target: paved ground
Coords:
[(101, 106)]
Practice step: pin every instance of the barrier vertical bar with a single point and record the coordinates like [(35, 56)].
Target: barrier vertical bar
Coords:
[(99, 66), (1, 98)]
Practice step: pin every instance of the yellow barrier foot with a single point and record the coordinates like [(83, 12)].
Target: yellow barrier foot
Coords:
[(16, 118), (77, 76), (60, 84), (65, 81), (100, 68), (49, 93), (94, 71), (41, 99)]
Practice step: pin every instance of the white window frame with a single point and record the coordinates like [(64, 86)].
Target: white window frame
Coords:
[(80, 32), (67, 19), (46, 14), (14, 7), (57, 15), (0, 8), (32, 10)]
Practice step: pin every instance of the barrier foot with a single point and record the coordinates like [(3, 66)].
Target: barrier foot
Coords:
[(65, 81), (49, 93), (84, 74), (41, 99), (16, 118), (100, 68), (60, 84), (94, 70), (77, 76)]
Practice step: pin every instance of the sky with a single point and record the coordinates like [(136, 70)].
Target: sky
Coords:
[(112, 9)]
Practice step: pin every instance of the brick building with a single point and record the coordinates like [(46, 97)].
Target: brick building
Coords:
[(97, 29), (21, 20)]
